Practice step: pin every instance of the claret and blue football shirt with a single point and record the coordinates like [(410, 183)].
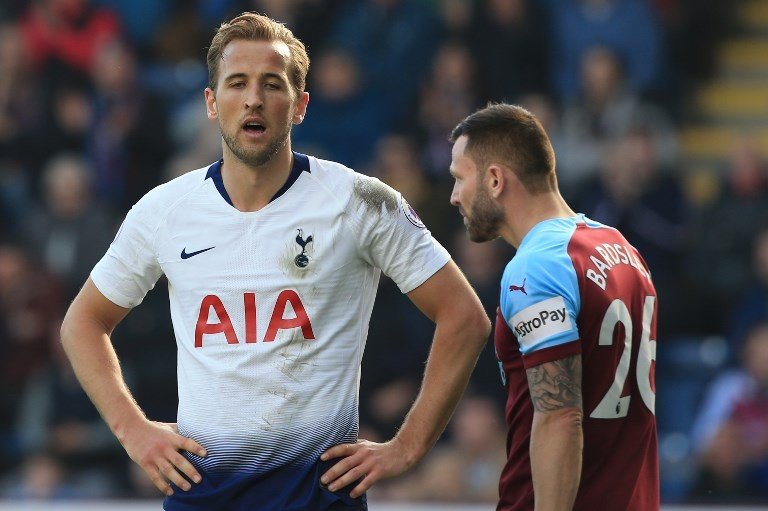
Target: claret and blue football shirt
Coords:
[(270, 312), (577, 287)]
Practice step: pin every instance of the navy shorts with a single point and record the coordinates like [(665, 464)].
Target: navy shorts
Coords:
[(289, 488)]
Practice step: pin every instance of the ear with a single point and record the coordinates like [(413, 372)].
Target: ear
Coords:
[(210, 104), (301, 108), (496, 180)]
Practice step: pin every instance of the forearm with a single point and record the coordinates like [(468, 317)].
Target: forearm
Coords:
[(456, 345), (556, 450), (89, 349)]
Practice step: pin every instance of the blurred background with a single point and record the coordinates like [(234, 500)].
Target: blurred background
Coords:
[(658, 111)]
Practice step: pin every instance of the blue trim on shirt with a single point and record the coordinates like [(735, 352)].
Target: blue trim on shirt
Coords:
[(300, 164), (214, 173), (543, 264)]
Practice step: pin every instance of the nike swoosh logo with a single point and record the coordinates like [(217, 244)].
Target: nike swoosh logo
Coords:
[(185, 255)]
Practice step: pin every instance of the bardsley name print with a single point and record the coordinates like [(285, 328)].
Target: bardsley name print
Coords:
[(608, 256)]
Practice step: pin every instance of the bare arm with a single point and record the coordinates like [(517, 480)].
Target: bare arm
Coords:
[(556, 436), (462, 328), (85, 335), (462, 331)]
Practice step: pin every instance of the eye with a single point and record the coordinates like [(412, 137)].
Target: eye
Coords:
[(272, 86), (237, 85)]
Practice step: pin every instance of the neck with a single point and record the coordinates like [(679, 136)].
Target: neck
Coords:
[(521, 217), (251, 188)]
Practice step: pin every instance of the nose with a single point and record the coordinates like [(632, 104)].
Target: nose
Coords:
[(455, 196), (254, 98)]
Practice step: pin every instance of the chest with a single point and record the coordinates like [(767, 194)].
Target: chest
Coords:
[(262, 253)]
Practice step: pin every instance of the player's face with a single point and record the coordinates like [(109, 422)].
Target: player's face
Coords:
[(482, 216), (254, 100)]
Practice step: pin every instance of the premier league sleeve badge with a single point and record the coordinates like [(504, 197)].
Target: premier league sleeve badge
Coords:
[(410, 213)]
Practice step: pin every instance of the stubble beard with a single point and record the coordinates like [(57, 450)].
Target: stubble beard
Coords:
[(483, 224), (254, 157)]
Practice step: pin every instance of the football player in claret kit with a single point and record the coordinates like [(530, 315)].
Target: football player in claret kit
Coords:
[(575, 331), (273, 260)]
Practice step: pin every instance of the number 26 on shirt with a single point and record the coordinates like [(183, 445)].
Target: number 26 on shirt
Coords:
[(614, 405)]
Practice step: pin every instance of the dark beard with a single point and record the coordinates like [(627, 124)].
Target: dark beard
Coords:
[(483, 225), (254, 157)]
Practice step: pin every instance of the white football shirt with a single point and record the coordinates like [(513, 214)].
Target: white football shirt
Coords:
[(270, 308)]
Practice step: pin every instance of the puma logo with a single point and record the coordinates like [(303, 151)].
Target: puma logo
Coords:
[(521, 288)]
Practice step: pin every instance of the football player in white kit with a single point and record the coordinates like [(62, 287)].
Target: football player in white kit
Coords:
[(273, 260)]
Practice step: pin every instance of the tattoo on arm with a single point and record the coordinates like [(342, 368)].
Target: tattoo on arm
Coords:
[(555, 385)]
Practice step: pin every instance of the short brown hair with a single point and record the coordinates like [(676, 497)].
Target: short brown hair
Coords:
[(255, 27), (512, 136)]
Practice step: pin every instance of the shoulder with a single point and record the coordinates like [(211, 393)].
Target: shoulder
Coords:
[(588, 233), (148, 215), (331, 178), (541, 274), (353, 188), (330, 172), (550, 237), (543, 253), (594, 239), (164, 197)]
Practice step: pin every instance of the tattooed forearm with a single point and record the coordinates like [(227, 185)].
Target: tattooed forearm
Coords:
[(556, 385)]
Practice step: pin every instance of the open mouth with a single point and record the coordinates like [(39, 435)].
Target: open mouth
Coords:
[(254, 128)]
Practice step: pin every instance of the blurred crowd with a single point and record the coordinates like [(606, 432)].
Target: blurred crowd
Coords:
[(101, 100)]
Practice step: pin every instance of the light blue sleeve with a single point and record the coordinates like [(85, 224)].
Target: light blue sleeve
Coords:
[(540, 297)]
